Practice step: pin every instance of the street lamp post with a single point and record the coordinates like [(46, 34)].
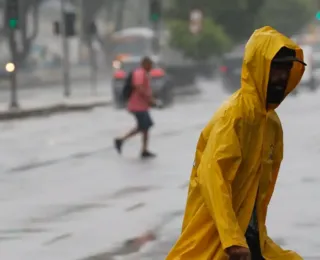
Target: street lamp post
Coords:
[(11, 69), (65, 49), (12, 15)]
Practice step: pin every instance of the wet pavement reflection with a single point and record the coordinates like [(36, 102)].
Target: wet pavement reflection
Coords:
[(66, 195)]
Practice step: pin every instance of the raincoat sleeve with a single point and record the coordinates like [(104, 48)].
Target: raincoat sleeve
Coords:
[(270, 245), (219, 164), (278, 156)]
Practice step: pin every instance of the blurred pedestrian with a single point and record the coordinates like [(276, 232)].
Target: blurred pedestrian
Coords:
[(139, 103), (238, 158)]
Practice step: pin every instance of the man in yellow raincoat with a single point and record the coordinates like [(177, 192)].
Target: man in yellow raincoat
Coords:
[(237, 160)]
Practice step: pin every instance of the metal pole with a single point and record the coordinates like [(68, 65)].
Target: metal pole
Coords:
[(120, 14), (65, 48), (156, 28), (81, 29), (93, 66), (13, 75)]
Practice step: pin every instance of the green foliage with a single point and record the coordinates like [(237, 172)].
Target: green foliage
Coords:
[(237, 19), (235, 16), (287, 16), (211, 41)]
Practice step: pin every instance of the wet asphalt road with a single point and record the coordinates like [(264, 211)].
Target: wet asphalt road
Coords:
[(66, 195)]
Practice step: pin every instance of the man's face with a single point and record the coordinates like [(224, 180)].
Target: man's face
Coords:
[(278, 80), (147, 66), (279, 74)]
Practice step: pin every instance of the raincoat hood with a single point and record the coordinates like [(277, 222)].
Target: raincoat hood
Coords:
[(260, 50)]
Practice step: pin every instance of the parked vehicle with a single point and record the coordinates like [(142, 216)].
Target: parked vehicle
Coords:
[(230, 69), (308, 79), (316, 67)]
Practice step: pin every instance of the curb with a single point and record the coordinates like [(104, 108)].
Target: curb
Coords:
[(44, 111), (51, 110)]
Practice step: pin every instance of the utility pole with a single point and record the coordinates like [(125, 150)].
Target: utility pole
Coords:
[(13, 73), (93, 65), (88, 32), (120, 8), (65, 49), (12, 15), (155, 12), (90, 36), (81, 18)]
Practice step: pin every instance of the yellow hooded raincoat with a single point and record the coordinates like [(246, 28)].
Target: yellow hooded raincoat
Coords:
[(237, 161)]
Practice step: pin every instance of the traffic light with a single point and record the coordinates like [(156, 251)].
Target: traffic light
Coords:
[(12, 14), (70, 20), (155, 10), (70, 25), (318, 8)]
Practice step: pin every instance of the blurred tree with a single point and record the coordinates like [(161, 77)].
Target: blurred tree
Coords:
[(88, 11), (238, 18), (277, 13), (235, 16), (211, 41)]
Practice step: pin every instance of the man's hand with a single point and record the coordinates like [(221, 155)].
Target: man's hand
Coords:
[(238, 253), (158, 103)]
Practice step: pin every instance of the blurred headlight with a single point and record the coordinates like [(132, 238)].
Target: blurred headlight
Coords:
[(10, 67)]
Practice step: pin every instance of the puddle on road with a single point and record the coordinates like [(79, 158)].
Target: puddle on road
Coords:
[(135, 206), (314, 180), (129, 247), (22, 230), (307, 224), (135, 245), (39, 164), (128, 191), (31, 166), (57, 239), (68, 211), (17, 233), (6, 238)]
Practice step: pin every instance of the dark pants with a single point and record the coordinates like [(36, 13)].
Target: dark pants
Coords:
[(144, 120), (253, 242)]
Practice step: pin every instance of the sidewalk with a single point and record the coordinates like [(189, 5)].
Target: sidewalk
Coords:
[(50, 100)]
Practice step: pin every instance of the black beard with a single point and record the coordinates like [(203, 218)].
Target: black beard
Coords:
[(276, 93)]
